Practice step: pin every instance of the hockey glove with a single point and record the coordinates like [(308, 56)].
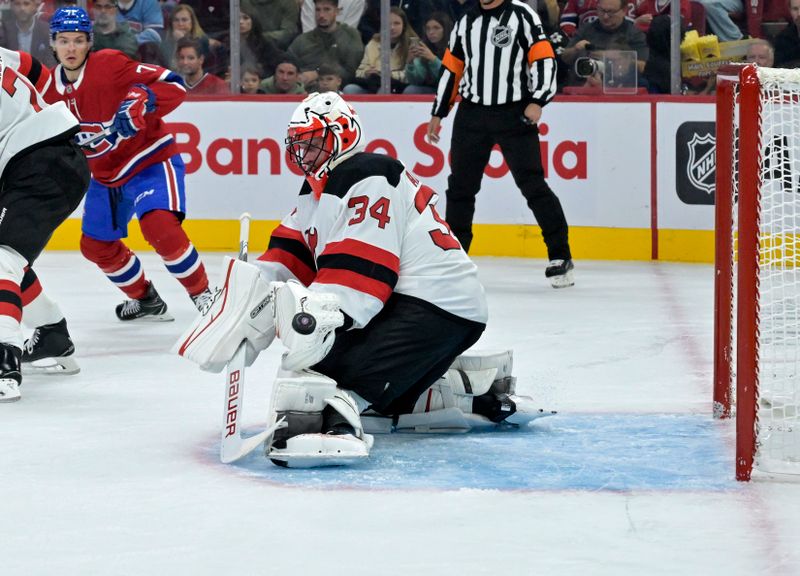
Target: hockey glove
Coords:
[(305, 322), (241, 311), (130, 117)]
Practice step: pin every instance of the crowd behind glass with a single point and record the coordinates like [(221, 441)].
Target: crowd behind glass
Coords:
[(300, 46)]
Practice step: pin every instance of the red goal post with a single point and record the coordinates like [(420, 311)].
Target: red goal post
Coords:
[(757, 280)]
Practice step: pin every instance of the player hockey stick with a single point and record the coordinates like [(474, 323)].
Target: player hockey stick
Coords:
[(233, 445)]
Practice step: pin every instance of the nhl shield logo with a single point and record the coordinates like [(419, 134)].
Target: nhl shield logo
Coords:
[(701, 167), (502, 36)]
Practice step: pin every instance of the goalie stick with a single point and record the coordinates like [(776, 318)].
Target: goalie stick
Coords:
[(233, 445)]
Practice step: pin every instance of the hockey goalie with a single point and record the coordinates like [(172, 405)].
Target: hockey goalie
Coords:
[(373, 299)]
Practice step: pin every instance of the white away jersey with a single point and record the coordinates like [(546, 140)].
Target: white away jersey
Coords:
[(375, 230), (25, 120)]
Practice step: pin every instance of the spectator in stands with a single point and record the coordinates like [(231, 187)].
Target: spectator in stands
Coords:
[(368, 73), (576, 13), (183, 23), (761, 52), (329, 43), (329, 78), (150, 53), (645, 10), (611, 31), (251, 80), (425, 56), (787, 43), (286, 79), (110, 32), (657, 69), (25, 31), (213, 15), (350, 12), (255, 48), (279, 19), (718, 16), (416, 13), (144, 17), (189, 60)]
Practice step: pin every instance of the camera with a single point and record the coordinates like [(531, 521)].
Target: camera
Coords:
[(586, 67)]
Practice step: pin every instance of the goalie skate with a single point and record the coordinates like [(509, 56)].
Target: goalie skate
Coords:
[(10, 376), (323, 424), (50, 351)]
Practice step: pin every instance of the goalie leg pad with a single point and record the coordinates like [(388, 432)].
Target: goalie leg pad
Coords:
[(306, 322), (477, 392), (241, 311), (502, 360), (302, 400)]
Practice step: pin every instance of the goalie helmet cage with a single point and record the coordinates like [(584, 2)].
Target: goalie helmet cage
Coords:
[(757, 277)]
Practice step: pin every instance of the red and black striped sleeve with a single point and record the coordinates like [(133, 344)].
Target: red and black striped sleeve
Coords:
[(288, 247)]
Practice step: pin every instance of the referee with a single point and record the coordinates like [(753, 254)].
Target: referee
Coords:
[(501, 63)]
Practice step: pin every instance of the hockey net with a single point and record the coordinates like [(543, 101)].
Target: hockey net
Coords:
[(757, 281)]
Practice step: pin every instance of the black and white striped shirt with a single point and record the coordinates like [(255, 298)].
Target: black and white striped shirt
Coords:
[(497, 56)]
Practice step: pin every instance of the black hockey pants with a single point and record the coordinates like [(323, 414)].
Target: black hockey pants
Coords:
[(404, 349), (39, 190)]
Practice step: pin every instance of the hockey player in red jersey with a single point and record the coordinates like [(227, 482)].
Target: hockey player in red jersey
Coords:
[(364, 285), (50, 348), (43, 177), (135, 167)]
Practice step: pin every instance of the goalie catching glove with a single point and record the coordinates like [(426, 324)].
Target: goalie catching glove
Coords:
[(248, 309), (306, 323), (130, 117)]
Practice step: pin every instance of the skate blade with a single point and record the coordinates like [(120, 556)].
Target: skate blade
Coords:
[(563, 281), (62, 366), (8, 395), (165, 317)]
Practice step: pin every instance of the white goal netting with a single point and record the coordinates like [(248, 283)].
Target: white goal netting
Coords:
[(778, 279)]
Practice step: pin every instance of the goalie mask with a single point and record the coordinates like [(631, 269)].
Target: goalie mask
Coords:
[(323, 132)]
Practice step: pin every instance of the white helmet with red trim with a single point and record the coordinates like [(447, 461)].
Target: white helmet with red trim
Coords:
[(323, 132)]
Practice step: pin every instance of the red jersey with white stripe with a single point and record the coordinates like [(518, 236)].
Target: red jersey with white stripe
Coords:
[(26, 122), (95, 97), (374, 230)]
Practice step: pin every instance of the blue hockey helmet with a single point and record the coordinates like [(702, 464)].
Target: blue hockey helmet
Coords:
[(70, 19)]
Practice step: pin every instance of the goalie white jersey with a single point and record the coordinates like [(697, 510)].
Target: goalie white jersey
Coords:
[(26, 122), (375, 230)]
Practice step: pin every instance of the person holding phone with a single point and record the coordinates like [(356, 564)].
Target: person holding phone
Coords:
[(425, 56)]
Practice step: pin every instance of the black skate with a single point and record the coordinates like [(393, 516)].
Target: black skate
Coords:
[(151, 308), (560, 273), (50, 350), (10, 375), (203, 301)]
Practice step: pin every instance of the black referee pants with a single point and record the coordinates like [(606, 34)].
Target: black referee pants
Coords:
[(476, 129)]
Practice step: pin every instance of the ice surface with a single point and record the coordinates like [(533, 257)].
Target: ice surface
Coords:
[(114, 471)]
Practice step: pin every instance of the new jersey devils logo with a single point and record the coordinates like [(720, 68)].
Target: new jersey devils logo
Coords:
[(95, 139), (311, 234)]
